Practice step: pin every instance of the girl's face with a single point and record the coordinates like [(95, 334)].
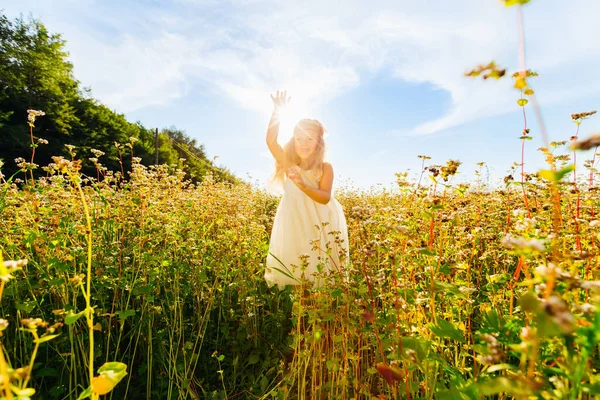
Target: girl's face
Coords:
[(306, 143)]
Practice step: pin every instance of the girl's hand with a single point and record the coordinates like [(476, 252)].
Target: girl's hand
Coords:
[(280, 99), (295, 176)]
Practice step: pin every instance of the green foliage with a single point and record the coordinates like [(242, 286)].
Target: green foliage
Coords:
[(35, 74), (179, 295)]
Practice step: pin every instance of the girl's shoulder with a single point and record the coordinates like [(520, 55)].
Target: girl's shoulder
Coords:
[(320, 171)]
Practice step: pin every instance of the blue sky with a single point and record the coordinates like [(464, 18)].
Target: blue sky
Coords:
[(385, 77)]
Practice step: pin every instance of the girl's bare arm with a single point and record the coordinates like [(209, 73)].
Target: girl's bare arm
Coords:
[(272, 133), (279, 101), (323, 193)]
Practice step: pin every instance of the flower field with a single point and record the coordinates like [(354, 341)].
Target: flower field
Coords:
[(451, 292)]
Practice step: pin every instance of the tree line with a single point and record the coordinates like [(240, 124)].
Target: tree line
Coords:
[(35, 73)]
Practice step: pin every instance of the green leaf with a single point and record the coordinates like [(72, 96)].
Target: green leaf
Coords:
[(562, 172), (111, 374), (495, 386), (425, 251), (502, 384), (23, 393), (555, 371), (548, 175), (85, 394), (498, 278), (113, 366), (530, 302), (446, 329), (492, 320), (556, 176), (448, 288), (45, 338), (254, 358), (123, 315), (26, 307), (592, 388), (452, 394), (499, 367), (420, 346), (71, 317)]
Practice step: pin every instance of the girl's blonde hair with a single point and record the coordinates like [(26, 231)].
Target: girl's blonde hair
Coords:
[(315, 161)]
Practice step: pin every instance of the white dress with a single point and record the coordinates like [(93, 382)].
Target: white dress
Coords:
[(304, 227)]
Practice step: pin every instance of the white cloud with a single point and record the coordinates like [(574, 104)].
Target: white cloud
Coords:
[(318, 50)]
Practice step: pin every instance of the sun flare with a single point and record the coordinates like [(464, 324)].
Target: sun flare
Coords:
[(290, 114), (289, 117)]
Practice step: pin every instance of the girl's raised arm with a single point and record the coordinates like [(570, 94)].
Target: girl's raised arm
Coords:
[(279, 100)]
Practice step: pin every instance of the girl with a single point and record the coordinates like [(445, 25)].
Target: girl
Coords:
[(309, 232)]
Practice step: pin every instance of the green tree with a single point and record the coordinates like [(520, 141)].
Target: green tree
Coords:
[(36, 74)]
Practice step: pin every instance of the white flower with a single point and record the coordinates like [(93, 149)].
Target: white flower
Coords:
[(593, 285), (520, 242), (519, 212)]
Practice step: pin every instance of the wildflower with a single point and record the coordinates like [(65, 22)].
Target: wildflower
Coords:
[(3, 324), (518, 212), (77, 279), (42, 141), (33, 323), (558, 310), (450, 169), (489, 71), (594, 223), (32, 115), (51, 329), (22, 373), (401, 228), (61, 163), (583, 115), (97, 153), (467, 290), (389, 373), (524, 224), (412, 355), (14, 265), (540, 289), (8, 267), (20, 161), (495, 354), (586, 144), (587, 309), (521, 243), (527, 334), (592, 285)]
